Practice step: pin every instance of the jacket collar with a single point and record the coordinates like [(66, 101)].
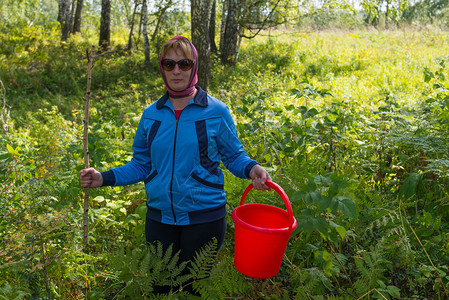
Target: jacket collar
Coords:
[(200, 99)]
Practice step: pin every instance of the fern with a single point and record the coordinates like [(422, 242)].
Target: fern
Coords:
[(7, 292), (388, 233), (202, 264), (224, 281), (138, 269), (309, 283), (204, 260), (372, 267)]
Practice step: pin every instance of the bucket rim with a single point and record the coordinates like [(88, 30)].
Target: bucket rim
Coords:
[(286, 230)]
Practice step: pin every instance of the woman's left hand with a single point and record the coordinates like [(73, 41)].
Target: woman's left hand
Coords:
[(259, 175)]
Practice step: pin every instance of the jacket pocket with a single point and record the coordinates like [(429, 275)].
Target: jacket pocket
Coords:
[(207, 183), (150, 177)]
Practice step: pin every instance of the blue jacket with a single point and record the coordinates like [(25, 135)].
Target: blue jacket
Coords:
[(179, 160)]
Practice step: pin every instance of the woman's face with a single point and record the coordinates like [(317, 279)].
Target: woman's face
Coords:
[(177, 79)]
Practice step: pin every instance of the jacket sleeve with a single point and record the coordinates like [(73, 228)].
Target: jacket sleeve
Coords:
[(231, 149), (138, 168)]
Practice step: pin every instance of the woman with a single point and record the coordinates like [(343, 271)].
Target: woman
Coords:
[(178, 145)]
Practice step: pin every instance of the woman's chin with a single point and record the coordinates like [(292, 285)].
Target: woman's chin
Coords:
[(177, 88)]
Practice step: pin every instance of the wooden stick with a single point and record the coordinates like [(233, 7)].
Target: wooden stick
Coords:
[(86, 144)]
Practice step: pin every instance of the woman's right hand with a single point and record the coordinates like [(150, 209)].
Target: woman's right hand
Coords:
[(90, 178)]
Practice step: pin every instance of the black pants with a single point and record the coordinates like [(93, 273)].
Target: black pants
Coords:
[(187, 238)]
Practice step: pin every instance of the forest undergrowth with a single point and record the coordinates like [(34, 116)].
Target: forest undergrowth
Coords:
[(353, 126)]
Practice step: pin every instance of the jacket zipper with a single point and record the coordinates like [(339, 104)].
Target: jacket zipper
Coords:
[(173, 170)]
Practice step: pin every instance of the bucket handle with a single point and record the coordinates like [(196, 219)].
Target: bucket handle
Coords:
[(281, 193)]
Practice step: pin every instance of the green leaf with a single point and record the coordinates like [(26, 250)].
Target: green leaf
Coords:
[(381, 284), (311, 246), (310, 113), (139, 230), (323, 202), (289, 107), (410, 185), (313, 197), (113, 205), (296, 93), (345, 205), (428, 75), (332, 117), (326, 260), (341, 231), (320, 224), (297, 196), (326, 181), (141, 210), (333, 190), (10, 149), (306, 225), (394, 291), (427, 270), (307, 221), (99, 199)]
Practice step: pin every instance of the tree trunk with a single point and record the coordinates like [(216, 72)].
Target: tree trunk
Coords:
[(140, 26), (200, 15), (223, 22), (61, 11), (145, 31), (131, 32), (229, 45), (105, 25), (78, 13), (64, 18), (213, 46), (156, 30), (72, 16)]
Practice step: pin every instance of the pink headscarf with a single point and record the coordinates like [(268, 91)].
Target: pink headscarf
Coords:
[(190, 90)]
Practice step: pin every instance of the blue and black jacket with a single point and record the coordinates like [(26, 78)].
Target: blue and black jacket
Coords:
[(179, 160)]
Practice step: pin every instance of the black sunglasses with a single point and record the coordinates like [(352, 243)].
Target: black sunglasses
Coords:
[(184, 64)]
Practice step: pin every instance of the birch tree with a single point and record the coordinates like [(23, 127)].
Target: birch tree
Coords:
[(131, 31), (78, 14), (213, 46), (145, 31), (65, 18), (105, 25), (246, 19), (231, 33), (200, 16)]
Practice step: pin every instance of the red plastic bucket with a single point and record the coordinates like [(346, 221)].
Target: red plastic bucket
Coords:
[(261, 235)]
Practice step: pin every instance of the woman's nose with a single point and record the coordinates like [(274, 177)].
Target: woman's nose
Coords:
[(176, 69)]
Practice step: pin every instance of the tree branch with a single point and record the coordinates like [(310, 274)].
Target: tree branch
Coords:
[(263, 23)]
